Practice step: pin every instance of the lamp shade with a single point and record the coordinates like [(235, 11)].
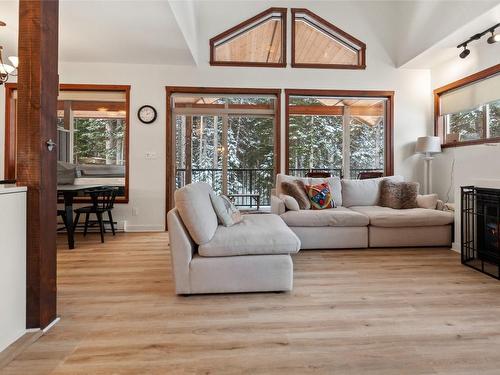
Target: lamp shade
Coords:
[(428, 145)]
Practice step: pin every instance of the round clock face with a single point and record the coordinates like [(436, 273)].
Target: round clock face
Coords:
[(147, 114)]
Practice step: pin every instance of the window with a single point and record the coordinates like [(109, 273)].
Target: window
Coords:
[(316, 43), (92, 133), (343, 133), (259, 41), (228, 139), (468, 111)]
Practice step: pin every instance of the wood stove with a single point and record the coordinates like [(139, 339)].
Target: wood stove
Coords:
[(480, 229)]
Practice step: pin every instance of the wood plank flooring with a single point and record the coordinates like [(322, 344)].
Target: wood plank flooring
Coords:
[(413, 311)]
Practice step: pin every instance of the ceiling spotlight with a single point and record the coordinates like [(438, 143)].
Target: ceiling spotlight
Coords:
[(494, 37), (465, 52)]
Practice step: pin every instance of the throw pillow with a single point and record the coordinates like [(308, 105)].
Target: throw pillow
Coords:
[(297, 190), (227, 213), (290, 202), (429, 201), (398, 195), (320, 196)]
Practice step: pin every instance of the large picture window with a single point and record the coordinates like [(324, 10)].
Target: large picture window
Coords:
[(344, 133), (92, 134), (468, 111), (227, 138)]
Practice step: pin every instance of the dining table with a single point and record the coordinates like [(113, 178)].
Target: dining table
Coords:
[(69, 192)]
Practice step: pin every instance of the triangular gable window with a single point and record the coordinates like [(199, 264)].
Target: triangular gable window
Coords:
[(316, 43), (259, 41)]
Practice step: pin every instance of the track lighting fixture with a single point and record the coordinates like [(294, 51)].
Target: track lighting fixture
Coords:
[(492, 39), (465, 52)]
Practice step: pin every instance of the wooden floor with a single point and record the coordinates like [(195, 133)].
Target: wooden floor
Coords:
[(351, 312)]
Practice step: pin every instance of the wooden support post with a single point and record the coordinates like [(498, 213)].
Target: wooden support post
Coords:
[(36, 165)]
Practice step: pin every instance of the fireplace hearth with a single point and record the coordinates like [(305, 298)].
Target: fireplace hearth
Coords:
[(480, 229)]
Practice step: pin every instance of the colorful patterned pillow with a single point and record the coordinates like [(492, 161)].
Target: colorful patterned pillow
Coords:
[(320, 196)]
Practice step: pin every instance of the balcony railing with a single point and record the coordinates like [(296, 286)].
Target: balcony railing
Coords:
[(301, 172), (250, 180), (239, 181)]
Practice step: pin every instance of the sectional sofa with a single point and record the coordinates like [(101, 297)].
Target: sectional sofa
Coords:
[(358, 222), (254, 255)]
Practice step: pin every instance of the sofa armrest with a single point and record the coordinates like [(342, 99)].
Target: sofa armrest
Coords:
[(182, 248), (277, 205)]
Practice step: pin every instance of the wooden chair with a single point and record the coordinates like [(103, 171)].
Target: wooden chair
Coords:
[(318, 174), (62, 214), (368, 175), (103, 200)]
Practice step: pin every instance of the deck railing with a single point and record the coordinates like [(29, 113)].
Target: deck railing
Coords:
[(250, 180)]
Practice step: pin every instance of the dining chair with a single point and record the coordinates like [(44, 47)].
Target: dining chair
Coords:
[(103, 200), (318, 174), (368, 175)]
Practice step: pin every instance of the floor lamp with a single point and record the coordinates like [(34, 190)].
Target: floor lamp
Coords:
[(428, 146)]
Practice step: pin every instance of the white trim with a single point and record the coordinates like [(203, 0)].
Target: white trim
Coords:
[(143, 228), (49, 327)]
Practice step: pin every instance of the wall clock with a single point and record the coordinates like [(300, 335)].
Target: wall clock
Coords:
[(147, 114)]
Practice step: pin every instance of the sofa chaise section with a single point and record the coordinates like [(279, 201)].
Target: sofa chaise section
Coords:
[(252, 256)]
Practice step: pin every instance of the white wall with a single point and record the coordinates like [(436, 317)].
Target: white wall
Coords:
[(471, 162), (468, 165), (147, 177)]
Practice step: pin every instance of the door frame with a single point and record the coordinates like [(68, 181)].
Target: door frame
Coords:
[(170, 130)]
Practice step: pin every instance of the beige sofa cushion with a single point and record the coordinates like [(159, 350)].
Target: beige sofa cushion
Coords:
[(331, 217), (196, 211), (256, 234), (334, 182), (413, 217), (364, 192)]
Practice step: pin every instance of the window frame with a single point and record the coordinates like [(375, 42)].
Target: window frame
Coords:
[(361, 64), (10, 131), (439, 120), (226, 33), (389, 119)]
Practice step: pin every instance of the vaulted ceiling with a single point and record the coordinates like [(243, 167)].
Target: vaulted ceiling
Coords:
[(175, 32)]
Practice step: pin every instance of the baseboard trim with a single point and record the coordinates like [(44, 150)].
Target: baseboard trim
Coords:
[(143, 228), (17, 347), (52, 324)]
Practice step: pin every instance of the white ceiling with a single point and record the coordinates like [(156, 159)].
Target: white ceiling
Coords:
[(176, 32)]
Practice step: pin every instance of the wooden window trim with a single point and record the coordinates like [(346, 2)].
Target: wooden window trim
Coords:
[(10, 133), (224, 34), (389, 119), (359, 66), (170, 133), (438, 121)]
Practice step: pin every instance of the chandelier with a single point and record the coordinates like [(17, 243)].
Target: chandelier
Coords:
[(7, 70)]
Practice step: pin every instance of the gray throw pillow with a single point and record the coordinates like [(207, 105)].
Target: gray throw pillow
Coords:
[(66, 173), (297, 191), (398, 195), (227, 213)]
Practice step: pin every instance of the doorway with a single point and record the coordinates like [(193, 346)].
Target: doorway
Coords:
[(227, 138)]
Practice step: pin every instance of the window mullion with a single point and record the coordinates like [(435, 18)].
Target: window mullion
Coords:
[(486, 121)]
